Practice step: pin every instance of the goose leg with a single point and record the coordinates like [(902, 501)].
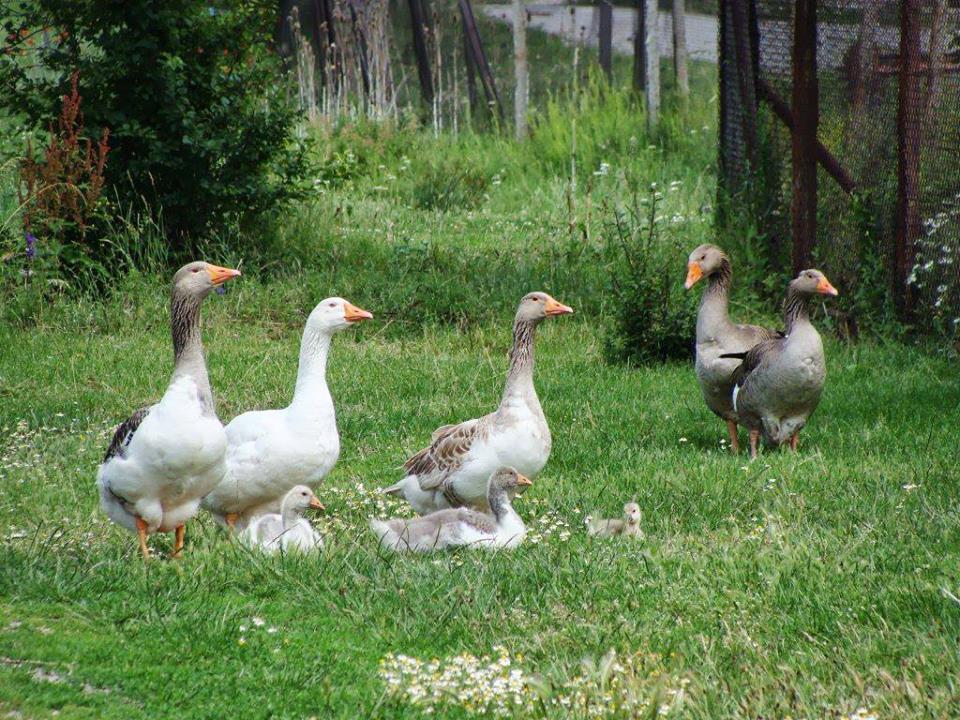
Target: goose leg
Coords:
[(231, 519), (142, 534), (754, 441), (734, 440), (178, 541), (794, 440)]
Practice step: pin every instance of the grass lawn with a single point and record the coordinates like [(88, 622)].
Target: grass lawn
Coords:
[(807, 585)]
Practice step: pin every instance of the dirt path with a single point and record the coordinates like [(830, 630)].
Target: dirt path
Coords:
[(580, 23)]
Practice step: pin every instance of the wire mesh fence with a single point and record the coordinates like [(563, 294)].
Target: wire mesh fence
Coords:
[(886, 107)]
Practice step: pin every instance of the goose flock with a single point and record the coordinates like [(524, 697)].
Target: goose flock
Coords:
[(258, 475)]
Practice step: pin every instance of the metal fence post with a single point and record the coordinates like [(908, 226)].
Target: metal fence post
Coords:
[(806, 112), (909, 125)]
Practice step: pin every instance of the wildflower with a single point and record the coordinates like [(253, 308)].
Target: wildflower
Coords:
[(31, 245), (910, 487), (258, 621)]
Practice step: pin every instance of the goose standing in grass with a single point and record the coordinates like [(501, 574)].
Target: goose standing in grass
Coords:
[(287, 530), (500, 528), (271, 451), (778, 384), (717, 335), (629, 526), (167, 456), (453, 470)]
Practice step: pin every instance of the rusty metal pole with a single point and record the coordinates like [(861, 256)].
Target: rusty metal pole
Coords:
[(909, 126), (806, 113)]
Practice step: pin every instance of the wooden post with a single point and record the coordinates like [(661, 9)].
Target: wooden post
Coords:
[(606, 38), (418, 23), (680, 47), (806, 113), (521, 89), (909, 126), (360, 41), (652, 55), (475, 47), (639, 48), (471, 70)]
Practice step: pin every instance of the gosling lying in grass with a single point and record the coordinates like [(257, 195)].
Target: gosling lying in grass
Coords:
[(500, 528), (287, 530), (629, 526)]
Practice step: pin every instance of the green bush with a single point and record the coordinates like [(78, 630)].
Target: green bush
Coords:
[(657, 318), (200, 128)]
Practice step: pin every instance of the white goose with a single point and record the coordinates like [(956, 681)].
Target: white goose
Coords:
[(501, 528), (271, 451), (453, 470), (167, 456), (287, 530)]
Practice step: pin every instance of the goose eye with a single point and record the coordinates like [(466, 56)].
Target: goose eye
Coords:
[(195, 271), (332, 305)]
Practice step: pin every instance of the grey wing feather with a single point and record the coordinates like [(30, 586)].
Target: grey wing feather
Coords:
[(445, 453), (124, 434), (480, 521), (755, 356)]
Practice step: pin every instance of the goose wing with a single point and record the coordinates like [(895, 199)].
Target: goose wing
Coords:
[(759, 354), (123, 435), (448, 450)]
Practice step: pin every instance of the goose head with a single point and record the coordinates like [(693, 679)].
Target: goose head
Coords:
[(198, 279), (299, 500), (537, 306), (335, 314), (632, 514), (506, 482), (811, 282), (704, 262)]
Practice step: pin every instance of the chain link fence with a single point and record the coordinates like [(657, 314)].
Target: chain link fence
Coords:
[(883, 94)]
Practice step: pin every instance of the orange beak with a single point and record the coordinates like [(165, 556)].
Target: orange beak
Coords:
[(316, 504), (352, 313), (219, 275), (825, 288), (694, 275), (552, 307), (523, 479)]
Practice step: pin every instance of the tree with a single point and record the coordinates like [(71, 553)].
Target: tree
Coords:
[(199, 125)]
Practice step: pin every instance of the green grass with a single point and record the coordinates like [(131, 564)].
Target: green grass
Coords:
[(804, 585)]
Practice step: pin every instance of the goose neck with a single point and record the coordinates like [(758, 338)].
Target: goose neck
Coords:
[(499, 503), (312, 369), (796, 309), (520, 376), (716, 298), (188, 358)]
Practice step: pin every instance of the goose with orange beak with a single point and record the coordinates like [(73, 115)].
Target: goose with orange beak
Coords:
[(166, 457), (718, 335), (454, 469), (269, 452), (778, 384)]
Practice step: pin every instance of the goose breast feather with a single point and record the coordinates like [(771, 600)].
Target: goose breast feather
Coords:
[(163, 460)]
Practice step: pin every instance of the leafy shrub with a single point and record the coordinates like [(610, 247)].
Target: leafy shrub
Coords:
[(657, 319), (200, 127)]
